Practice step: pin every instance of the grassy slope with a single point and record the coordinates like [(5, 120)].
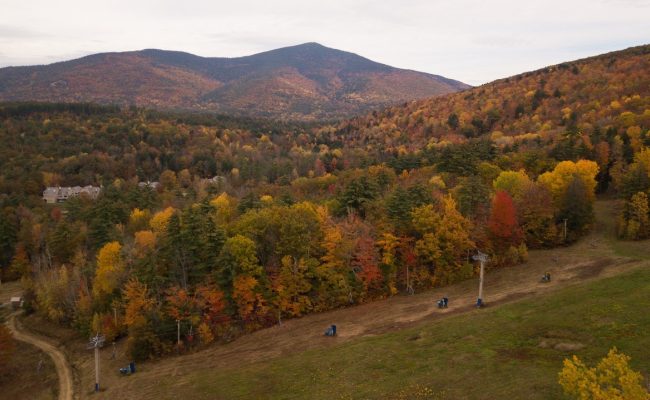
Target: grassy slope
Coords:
[(485, 354), (491, 353)]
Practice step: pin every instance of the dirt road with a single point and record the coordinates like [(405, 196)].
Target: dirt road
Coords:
[(62, 368)]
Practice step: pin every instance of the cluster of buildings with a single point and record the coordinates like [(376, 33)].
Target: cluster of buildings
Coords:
[(58, 194)]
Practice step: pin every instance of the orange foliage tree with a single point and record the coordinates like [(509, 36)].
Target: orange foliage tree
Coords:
[(252, 307), (502, 223)]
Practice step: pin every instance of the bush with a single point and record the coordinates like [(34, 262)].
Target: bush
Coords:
[(142, 343), (611, 379)]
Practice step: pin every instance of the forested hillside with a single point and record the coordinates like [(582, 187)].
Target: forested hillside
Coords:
[(256, 221), (576, 100)]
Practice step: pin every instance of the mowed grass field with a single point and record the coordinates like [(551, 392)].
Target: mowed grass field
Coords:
[(511, 352)]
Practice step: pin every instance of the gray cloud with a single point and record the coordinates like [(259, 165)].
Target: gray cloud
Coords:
[(8, 32), (471, 40)]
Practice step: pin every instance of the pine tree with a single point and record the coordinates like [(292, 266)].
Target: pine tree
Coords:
[(576, 208), (8, 232), (536, 215), (358, 194), (63, 242), (473, 197)]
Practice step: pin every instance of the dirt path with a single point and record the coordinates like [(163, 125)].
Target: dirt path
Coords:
[(62, 368), (364, 320)]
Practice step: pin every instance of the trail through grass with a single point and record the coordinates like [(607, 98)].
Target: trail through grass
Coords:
[(511, 352)]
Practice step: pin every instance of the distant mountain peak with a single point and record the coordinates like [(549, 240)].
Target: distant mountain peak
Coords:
[(313, 45), (304, 81)]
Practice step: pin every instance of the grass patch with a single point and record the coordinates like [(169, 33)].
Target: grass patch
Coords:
[(607, 212), (514, 351), (627, 248)]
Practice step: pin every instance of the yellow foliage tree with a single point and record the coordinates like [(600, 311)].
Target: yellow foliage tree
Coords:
[(637, 225), (137, 302), (643, 158), (558, 180), (160, 220), (139, 219), (205, 333), (332, 243), (293, 287), (224, 206), (513, 182), (144, 241), (110, 269), (611, 379), (388, 244), (445, 240)]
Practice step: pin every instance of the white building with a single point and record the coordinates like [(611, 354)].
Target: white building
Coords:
[(60, 194), (215, 180), (150, 185)]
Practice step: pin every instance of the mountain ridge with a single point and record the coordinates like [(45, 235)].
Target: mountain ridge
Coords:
[(307, 81)]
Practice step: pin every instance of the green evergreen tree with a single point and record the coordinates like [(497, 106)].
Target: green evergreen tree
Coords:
[(576, 208), (8, 231), (357, 194)]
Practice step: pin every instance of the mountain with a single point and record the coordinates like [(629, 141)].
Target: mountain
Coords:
[(579, 100), (308, 81)]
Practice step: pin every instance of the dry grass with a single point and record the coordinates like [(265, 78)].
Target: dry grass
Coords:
[(25, 380)]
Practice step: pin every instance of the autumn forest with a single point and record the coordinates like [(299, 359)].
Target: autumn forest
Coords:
[(253, 221)]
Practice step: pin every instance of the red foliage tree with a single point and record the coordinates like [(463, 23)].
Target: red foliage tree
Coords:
[(365, 261), (502, 224)]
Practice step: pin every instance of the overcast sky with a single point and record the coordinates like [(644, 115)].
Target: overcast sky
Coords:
[(469, 40)]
